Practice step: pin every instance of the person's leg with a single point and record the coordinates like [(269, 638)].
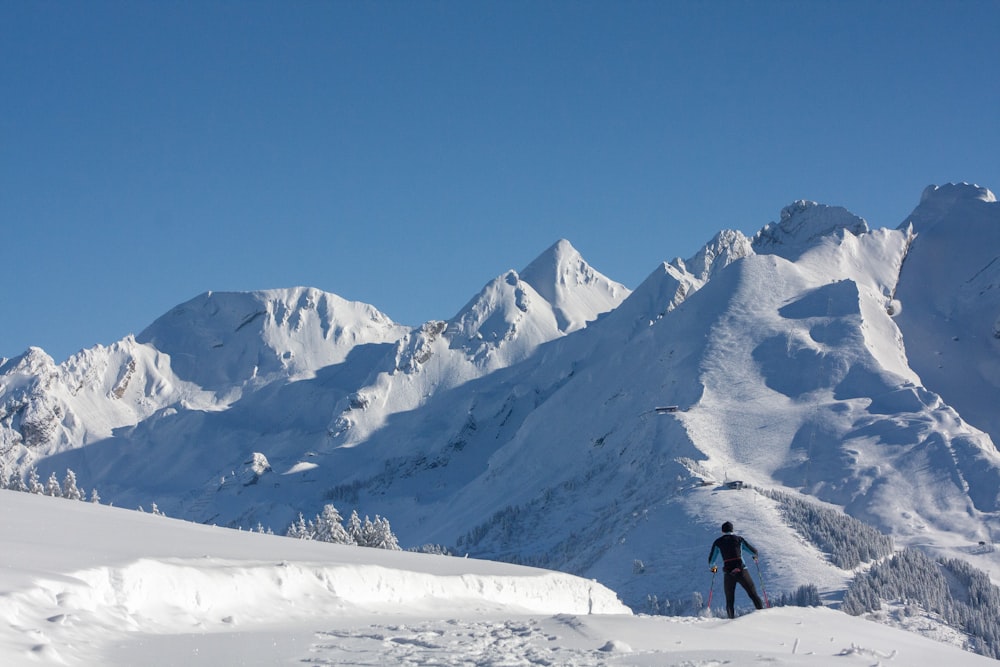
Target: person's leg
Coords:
[(729, 583), (747, 582)]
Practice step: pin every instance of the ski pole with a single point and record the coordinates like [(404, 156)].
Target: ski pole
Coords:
[(711, 589), (763, 588)]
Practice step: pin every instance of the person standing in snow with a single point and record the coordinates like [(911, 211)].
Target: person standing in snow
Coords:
[(731, 548)]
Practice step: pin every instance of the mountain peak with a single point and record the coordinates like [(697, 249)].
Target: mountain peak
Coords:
[(223, 338), (558, 293), (725, 248), (34, 361), (950, 193), (577, 292), (546, 270), (953, 203), (802, 223)]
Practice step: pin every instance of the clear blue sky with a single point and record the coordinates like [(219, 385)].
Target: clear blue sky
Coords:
[(406, 153)]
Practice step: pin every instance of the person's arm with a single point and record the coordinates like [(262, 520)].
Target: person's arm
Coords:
[(713, 553), (749, 547)]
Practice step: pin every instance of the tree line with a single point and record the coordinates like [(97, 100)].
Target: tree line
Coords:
[(329, 526), (961, 595), (848, 541), (67, 489)]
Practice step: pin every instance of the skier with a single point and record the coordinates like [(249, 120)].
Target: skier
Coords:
[(731, 548)]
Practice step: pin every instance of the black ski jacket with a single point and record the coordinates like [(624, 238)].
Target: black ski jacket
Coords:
[(731, 548)]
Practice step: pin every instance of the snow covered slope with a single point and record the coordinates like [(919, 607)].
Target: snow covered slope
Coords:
[(526, 427), (949, 291), (91, 585)]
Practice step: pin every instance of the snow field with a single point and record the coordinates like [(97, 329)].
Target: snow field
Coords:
[(785, 637), (81, 578)]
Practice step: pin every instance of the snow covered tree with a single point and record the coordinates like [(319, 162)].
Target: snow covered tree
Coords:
[(94, 496), (69, 488), (378, 534), (52, 487), (367, 534), (804, 596), (963, 596), (849, 541), (299, 530), (354, 527), (385, 538), (16, 482), (328, 527), (34, 482), (433, 549)]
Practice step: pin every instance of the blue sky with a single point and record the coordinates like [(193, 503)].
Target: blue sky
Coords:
[(406, 153)]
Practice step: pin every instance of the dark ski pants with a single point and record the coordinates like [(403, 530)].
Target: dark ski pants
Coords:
[(742, 577)]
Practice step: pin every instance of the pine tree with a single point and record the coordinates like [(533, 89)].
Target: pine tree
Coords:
[(261, 529), (16, 482), (354, 529), (299, 530), (34, 482), (70, 489), (328, 527), (52, 487), (367, 536), (378, 534), (383, 537), (94, 496)]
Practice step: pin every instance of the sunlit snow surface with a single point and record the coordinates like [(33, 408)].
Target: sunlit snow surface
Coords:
[(92, 585)]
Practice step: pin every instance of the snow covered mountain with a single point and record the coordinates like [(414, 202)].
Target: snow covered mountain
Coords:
[(852, 367)]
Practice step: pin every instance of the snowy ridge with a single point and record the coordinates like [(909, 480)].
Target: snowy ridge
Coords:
[(49, 408), (222, 340), (949, 290)]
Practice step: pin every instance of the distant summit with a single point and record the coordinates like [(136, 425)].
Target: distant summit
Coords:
[(938, 200), (953, 192), (558, 293), (224, 339), (801, 224), (575, 290)]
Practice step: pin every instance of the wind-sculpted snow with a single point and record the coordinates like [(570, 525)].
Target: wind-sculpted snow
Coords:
[(209, 595)]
